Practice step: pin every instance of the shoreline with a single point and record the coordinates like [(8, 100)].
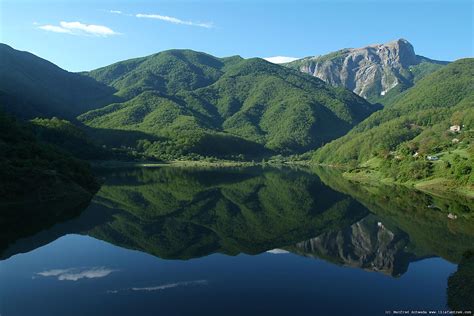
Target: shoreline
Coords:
[(191, 163), (440, 187)]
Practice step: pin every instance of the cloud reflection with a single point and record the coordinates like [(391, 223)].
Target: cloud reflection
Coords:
[(161, 287), (74, 274), (277, 251)]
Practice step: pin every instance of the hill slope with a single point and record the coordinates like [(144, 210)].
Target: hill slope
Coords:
[(36, 172), (401, 136), (167, 72), (31, 86), (377, 72), (193, 103)]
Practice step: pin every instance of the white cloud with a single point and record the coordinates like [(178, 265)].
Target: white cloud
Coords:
[(174, 20), (116, 11), (78, 28), (161, 287), (54, 28), (280, 59), (277, 251), (74, 274)]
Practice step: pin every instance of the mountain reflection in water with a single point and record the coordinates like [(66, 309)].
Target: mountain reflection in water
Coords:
[(177, 213)]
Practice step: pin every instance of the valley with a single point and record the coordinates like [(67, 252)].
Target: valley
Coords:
[(191, 108)]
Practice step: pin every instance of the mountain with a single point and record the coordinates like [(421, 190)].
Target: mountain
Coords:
[(193, 103), (168, 72), (184, 103), (376, 72), (33, 87), (398, 139)]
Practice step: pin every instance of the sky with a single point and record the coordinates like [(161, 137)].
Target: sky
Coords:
[(84, 35)]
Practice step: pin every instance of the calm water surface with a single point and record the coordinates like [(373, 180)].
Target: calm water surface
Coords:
[(236, 242)]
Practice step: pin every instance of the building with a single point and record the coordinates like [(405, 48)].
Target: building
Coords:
[(455, 128)]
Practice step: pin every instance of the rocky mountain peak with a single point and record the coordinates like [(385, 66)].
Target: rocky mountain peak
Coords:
[(402, 51), (369, 71)]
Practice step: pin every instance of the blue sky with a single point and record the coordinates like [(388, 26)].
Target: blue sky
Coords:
[(83, 35)]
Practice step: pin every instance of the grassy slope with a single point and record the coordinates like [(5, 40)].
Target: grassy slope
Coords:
[(417, 122)]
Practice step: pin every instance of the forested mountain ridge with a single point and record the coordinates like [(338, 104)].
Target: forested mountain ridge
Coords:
[(193, 103), (376, 72), (167, 72), (182, 103), (34, 87)]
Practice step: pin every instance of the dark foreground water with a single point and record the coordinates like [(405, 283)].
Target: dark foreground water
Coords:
[(240, 242)]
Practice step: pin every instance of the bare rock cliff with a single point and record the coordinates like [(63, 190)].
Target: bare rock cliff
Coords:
[(370, 71)]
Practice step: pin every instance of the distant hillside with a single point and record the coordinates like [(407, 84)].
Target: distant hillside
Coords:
[(377, 72), (167, 72), (33, 87), (403, 135), (193, 103)]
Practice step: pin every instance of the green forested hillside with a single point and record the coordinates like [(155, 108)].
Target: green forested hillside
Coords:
[(33, 87), (68, 137), (398, 139), (31, 171), (167, 72), (182, 103), (190, 103)]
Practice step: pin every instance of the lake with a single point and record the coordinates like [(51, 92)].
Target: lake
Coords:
[(253, 241)]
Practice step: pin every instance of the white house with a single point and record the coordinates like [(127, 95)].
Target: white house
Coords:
[(455, 128)]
